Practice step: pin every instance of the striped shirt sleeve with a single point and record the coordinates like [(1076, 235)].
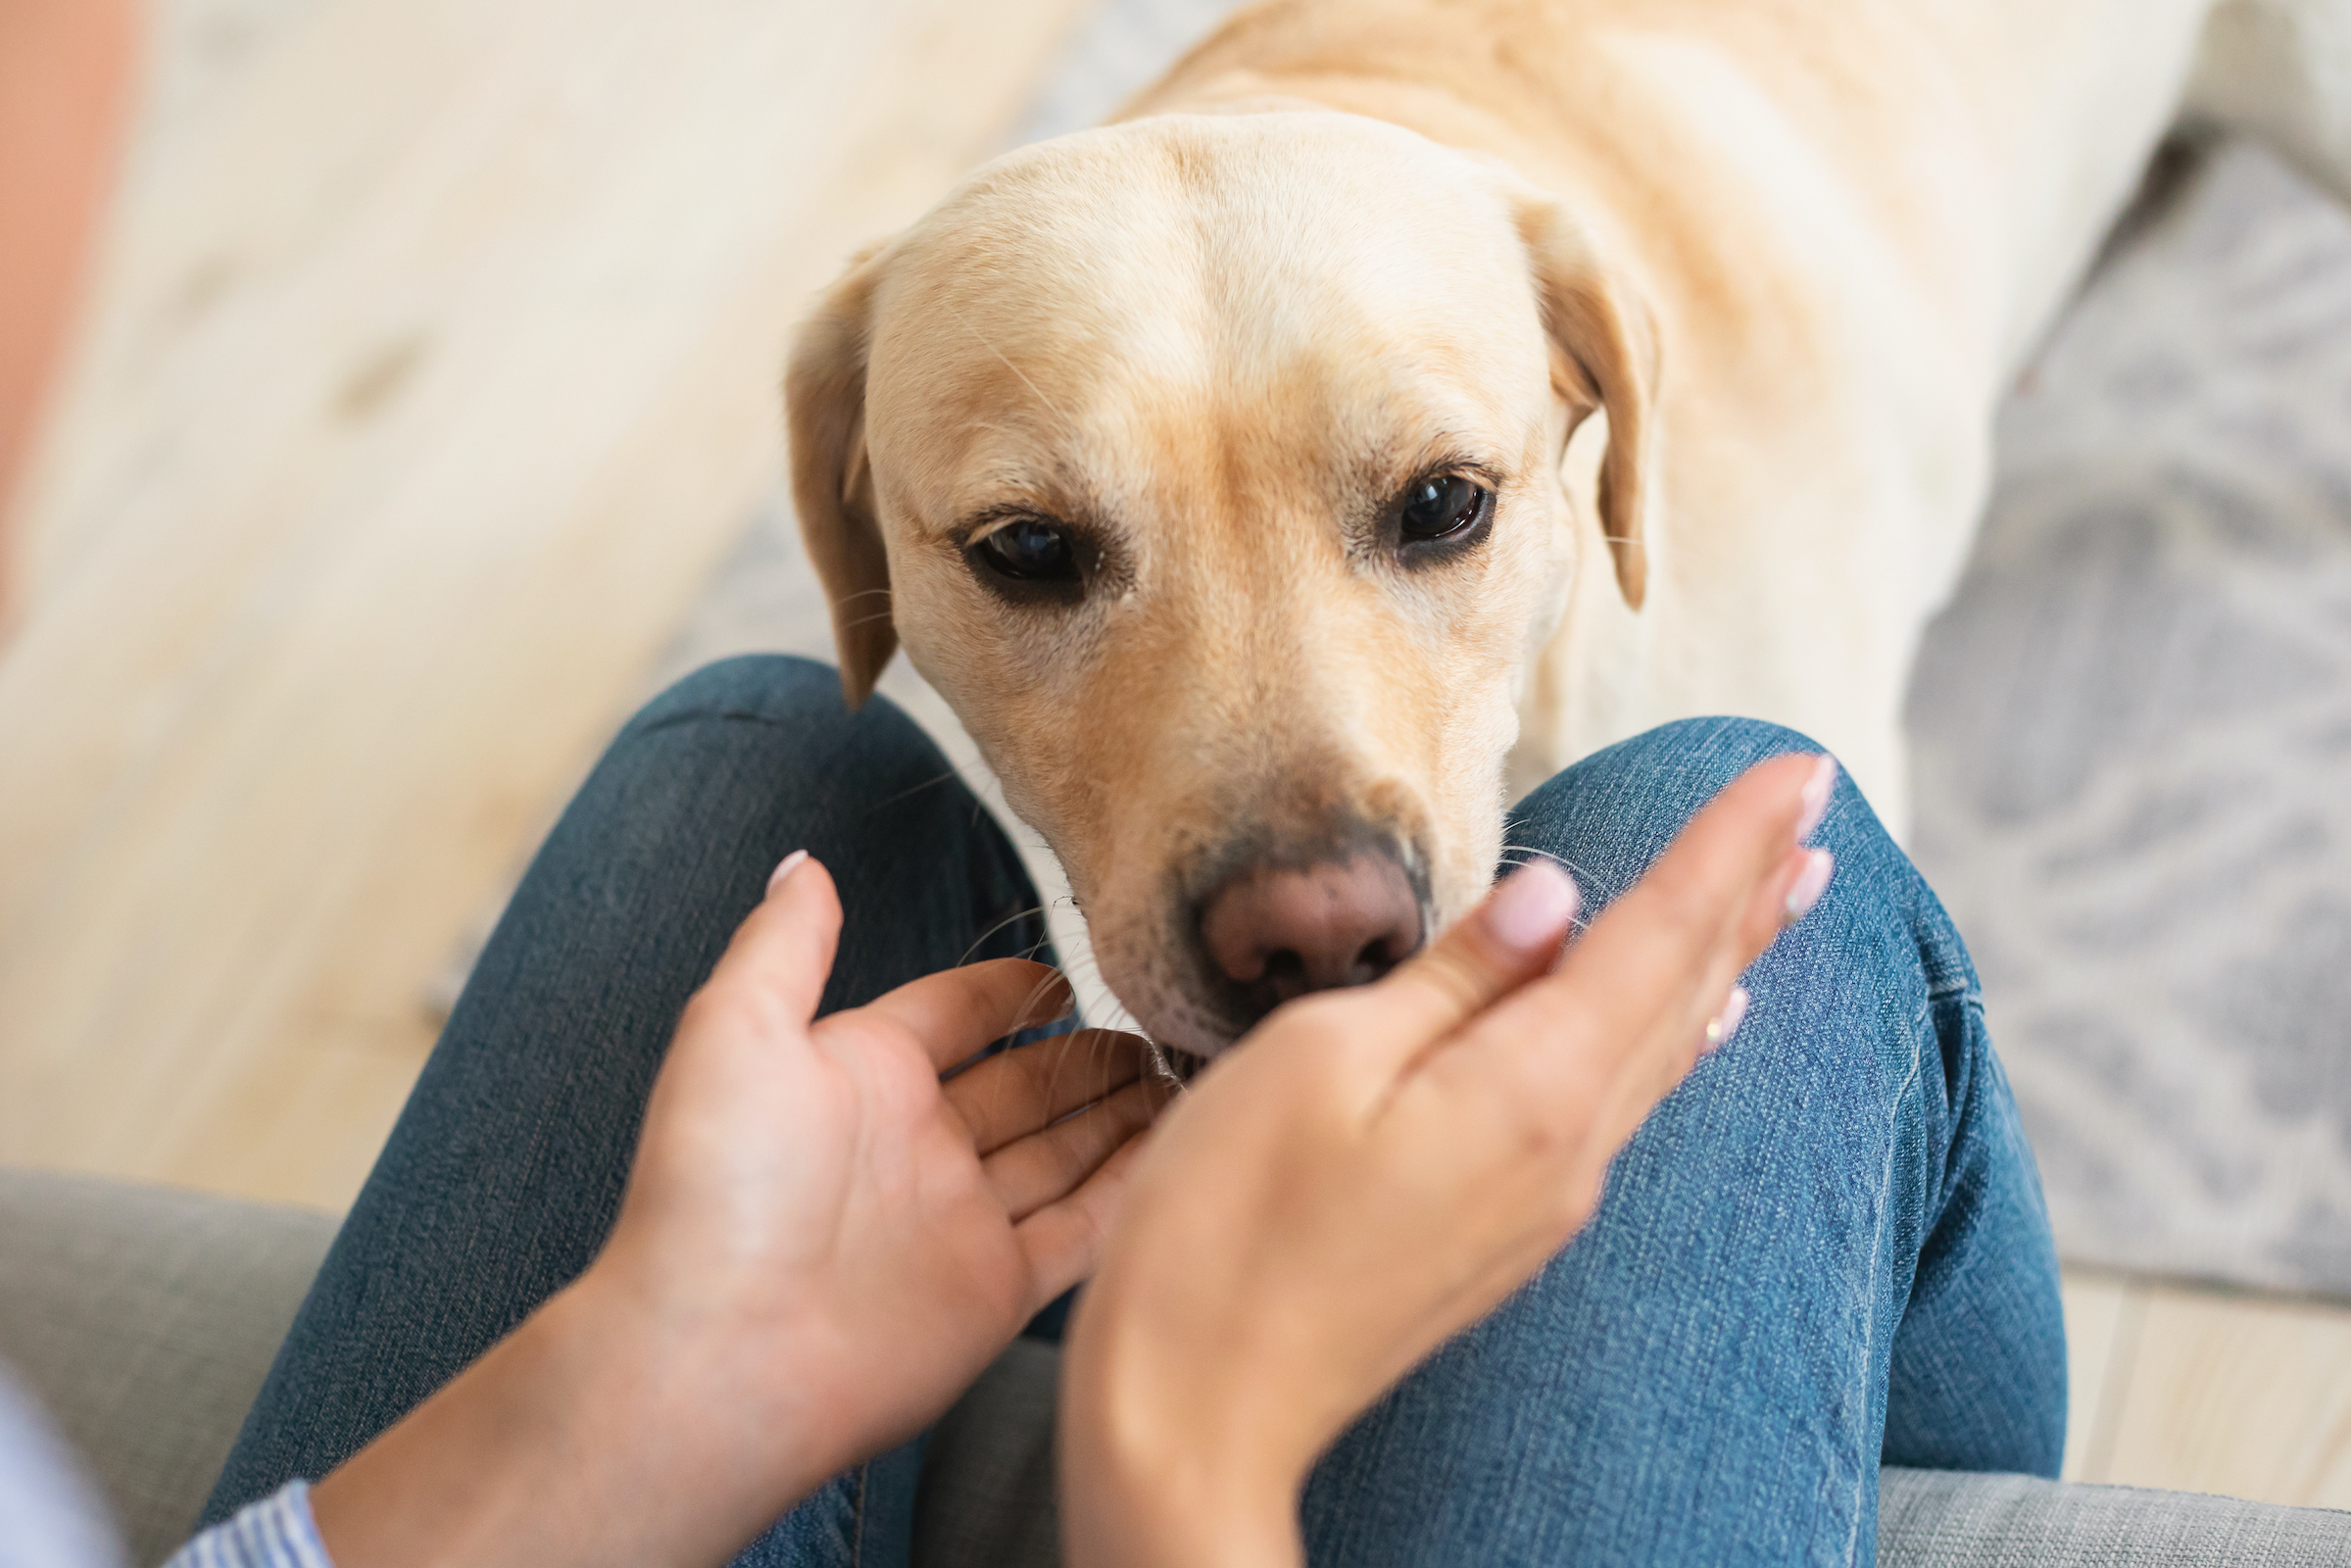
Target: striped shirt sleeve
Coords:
[(277, 1532)]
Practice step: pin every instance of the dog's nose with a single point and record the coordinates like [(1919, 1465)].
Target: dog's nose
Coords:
[(1278, 934)]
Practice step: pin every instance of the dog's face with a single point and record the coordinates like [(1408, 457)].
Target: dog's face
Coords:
[(1210, 467)]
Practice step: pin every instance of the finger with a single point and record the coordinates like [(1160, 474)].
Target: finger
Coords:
[(1674, 944), (956, 1012), (1011, 1095), (1507, 940), (1064, 1240), (1632, 998), (1031, 1172), (782, 952)]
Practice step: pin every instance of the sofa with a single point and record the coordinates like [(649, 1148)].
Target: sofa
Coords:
[(144, 1320)]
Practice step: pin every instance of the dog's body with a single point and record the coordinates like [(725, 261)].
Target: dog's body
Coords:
[(1147, 434)]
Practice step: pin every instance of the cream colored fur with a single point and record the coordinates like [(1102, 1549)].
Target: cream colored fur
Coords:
[(1790, 252)]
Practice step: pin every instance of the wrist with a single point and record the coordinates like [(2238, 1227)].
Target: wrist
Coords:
[(689, 1414), (1123, 1508), (1160, 1468), (591, 1435)]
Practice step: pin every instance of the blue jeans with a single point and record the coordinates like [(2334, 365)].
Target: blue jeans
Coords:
[(1827, 1250)]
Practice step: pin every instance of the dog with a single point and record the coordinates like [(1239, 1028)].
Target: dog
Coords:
[(1404, 398)]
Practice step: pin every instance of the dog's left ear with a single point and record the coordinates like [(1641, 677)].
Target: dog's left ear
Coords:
[(1603, 356), (832, 486)]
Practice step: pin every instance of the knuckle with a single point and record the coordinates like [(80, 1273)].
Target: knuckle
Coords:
[(1320, 1021), (1457, 978)]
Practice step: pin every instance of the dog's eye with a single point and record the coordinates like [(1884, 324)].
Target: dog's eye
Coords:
[(1441, 507), (1031, 552)]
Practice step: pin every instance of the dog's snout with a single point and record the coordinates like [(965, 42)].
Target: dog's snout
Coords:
[(1276, 934)]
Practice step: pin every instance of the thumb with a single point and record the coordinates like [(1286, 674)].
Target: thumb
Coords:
[(1507, 941), (782, 954)]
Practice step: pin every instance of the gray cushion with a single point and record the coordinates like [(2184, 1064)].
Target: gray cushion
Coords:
[(145, 1320), (1939, 1519)]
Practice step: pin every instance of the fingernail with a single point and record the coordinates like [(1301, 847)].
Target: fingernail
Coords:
[(1725, 1022), (1817, 789), (1810, 884), (1533, 906), (791, 863)]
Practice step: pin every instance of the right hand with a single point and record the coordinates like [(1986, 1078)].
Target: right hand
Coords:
[(822, 1243), (1376, 1170)]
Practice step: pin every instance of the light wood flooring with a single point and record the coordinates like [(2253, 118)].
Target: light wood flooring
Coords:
[(430, 367)]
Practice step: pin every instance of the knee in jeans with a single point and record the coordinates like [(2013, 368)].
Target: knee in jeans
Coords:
[(774, 686), (1708, 752), (1658, 779), (1611, 814), (792, 692)]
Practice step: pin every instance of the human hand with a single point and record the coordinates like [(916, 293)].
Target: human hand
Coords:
[(1378, 1168), (813, 1208), (821, 1246)]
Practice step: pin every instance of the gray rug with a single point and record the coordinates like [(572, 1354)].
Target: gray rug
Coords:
[(2133, 727), (2131, 734)]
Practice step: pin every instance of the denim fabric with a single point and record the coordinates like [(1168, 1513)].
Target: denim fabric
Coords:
[(1825, 1249)]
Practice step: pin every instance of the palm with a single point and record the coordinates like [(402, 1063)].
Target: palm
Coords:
[(826, 1193), (910, 1209)]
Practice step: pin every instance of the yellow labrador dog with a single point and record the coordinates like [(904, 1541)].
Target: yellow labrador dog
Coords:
[(1401, 382)]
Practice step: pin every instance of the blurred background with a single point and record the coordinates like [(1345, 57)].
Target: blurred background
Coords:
[(419, 419)]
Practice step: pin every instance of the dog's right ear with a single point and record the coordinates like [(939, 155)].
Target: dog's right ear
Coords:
[(832, 486)]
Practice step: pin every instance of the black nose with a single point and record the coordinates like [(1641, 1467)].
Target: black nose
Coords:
[(1273, 934)]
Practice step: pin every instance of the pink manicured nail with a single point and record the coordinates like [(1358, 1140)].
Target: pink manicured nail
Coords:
[(1532, 908), (1725, 1023), (1817, 789), (791, 863), (1810, 884)]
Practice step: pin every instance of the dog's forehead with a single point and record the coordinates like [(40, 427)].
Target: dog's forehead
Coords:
[(1285, 269)]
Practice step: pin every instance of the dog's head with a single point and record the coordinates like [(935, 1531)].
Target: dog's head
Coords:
[(1209, 465)]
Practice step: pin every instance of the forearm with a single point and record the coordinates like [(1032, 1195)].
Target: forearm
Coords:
[(580, 1440)]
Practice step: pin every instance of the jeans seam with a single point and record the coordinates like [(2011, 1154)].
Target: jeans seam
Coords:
[(1866, 1472), (856, 1520)]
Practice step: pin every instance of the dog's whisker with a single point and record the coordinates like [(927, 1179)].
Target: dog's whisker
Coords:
[(981, 940), (1584, 874), (926, 784)]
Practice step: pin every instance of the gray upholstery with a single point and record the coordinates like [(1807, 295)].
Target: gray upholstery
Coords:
[(144, 1319), (1939, 1519)]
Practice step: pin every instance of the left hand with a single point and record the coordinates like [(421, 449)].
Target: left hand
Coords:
[(1373, 1170), (823, 1244)]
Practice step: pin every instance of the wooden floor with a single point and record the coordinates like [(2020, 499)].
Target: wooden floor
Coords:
[(433, 364), (431, 368)]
